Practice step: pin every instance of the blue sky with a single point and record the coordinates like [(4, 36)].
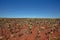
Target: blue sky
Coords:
[(30, 8)]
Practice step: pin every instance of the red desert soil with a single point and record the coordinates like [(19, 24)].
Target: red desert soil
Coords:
[(29, 29)]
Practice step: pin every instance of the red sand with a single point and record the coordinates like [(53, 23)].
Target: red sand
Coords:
[(29, 29)]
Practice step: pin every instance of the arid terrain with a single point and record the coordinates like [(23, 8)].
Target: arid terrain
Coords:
[(29, 29)]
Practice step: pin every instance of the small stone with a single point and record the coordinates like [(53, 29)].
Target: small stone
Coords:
[(30, 27), (51, 32), (43, 27), (39, 31), (12, 35), (1, 37)]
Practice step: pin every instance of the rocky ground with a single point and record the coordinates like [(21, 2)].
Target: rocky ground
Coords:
[(29, 29)]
